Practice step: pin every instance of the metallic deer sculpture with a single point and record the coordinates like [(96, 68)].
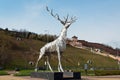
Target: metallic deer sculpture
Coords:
[(59, 44)]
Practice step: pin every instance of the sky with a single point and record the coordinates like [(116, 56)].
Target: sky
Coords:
[(97, 20)]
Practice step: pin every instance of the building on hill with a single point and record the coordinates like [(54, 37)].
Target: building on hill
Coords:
[(74, 38), (74, 42)]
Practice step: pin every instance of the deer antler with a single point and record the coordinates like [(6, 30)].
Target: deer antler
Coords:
[(73, 19), (55, 16), (66, 19)]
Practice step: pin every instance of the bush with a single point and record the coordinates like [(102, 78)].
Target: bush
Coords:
[(107, 72), (89, 73)]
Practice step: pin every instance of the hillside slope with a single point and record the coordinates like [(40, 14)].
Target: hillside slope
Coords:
[(18, 53), (102, 47)]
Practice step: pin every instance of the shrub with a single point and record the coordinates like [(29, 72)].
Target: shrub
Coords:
[(107, 72)]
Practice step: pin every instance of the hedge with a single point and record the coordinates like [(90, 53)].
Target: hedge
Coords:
[(107, 72)]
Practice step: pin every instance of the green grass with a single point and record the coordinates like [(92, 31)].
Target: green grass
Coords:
[(2, 72), (72, 56), (24, 73)]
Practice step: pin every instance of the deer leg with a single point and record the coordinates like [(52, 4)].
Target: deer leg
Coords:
[(59, 62), (61, 66), (48, 59), (40, 56)]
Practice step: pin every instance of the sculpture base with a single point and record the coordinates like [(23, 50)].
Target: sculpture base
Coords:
[(57, 75)]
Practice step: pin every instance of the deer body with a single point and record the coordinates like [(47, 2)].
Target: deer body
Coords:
[(59, 42), (58, 45)]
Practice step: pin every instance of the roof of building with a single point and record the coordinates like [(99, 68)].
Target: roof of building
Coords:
[(74, 37)]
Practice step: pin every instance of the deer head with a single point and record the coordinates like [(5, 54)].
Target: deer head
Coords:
[(66, 22)]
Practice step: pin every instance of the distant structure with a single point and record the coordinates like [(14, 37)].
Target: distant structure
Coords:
[(75, 42)]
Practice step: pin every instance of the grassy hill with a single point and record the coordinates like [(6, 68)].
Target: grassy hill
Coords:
[(18, 53)]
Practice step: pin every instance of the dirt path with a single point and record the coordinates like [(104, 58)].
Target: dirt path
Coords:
[(11, 77)]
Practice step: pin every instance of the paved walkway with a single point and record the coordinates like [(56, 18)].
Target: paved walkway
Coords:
[(11, 77)]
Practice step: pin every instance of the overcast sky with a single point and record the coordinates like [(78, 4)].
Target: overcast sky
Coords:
[(97, 20)]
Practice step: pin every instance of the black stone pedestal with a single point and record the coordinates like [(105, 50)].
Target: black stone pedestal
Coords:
[(57, 75), (48, 75)]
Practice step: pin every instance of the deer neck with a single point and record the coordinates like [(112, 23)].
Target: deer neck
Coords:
[(63, 34)]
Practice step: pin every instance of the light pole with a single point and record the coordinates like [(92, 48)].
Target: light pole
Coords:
[(117, 48), (118, 59), (47, 33)]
